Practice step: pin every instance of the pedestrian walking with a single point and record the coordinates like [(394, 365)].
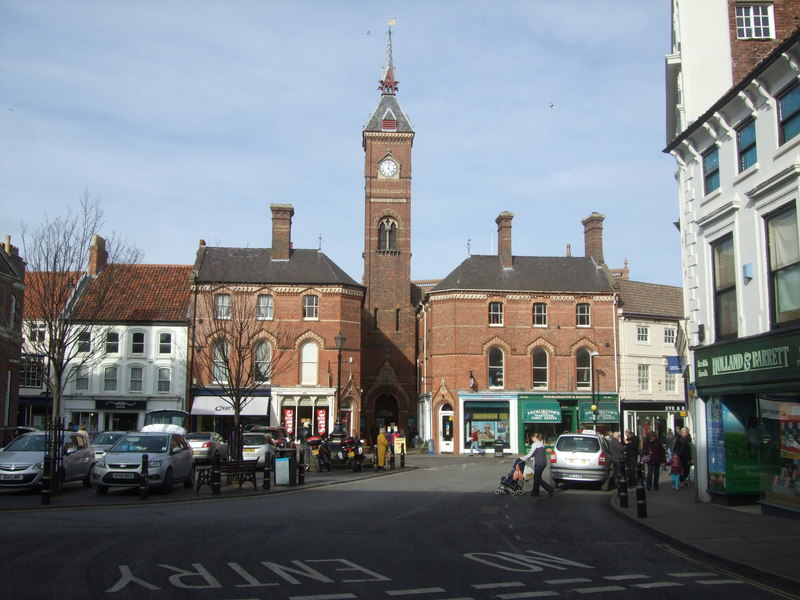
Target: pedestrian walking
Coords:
[(539, 456), (474, 443), (653, 456), (383, 447), (675, 470), (616, 452), (683, 448)]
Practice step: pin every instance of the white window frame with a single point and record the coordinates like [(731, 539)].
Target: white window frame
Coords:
[(134, 343), (643, 334), (265, 307), (670, 335), (309, 363), (162, 344), (262, 367), (497, 368), (540, 316), (222, 307), (160, 381), (746, 17), (113, 344), (81, 379), (643, 377), (84, 342), (583, 314), (219, 361), (310, 307), (495, 314), (136, 386), (670, 381), (538, 384), (107, 380)]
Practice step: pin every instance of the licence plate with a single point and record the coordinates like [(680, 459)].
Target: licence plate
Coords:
[(351, 454), (578, 461), (575, 476), (315, 452), (248, 450), (11, 477), (124, 475)]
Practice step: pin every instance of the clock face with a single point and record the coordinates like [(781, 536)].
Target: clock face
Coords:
[(387, 168)]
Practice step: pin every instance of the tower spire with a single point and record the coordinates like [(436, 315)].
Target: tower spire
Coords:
[(388, 85)]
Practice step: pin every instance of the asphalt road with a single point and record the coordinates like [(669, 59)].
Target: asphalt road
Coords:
[(437, 533)]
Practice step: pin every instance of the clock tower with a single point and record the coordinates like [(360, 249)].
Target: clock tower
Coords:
[(388, 321)]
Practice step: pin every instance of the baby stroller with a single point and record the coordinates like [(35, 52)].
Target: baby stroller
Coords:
[(510, 485)]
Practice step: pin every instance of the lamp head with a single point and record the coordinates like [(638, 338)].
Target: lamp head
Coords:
[(339, 341)]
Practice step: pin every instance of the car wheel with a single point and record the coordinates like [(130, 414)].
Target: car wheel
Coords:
[(101, 490), (189, 482), (166, 487), (87, 481)]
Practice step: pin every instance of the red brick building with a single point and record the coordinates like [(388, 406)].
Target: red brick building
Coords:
[(510, 345), (12, 274)]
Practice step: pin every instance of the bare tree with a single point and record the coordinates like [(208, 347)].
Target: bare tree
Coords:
[(236, 350), (57, 307)]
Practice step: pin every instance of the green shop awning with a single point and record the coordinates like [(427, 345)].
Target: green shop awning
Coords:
[(607, 412), (541, 411)]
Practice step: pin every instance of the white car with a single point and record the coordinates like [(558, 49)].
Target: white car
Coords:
[(22, 461), (169, 461), (259, 447)]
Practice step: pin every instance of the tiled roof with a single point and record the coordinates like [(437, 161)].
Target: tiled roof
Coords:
[(529, 273), (650, 299), (47, 286), (138, 293), (255, 265)]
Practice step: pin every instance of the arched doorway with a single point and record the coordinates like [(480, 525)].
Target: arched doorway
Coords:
[(386, 411), (446, 428)]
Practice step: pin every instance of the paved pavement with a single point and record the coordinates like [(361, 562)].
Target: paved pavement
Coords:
[(750, 543)]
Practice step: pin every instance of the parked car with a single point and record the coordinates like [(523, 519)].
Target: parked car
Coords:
[(205, 444), (259, 447), (580, 457), (170, 461), (22, 461), (279, 435), (104, 440)]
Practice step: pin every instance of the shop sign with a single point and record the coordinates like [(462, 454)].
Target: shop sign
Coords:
[(288, 421), (607, 412), (769, 359), (120, 404), (322, 421), (541, 412)]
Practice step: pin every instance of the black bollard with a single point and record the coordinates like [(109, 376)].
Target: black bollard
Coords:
[(216, 488), (266, 482), (641, 499), (144, 489), (301, 473), (391, 461), (403, 456), (622, 485), (47, 478)]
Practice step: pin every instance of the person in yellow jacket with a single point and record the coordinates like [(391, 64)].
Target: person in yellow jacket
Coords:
[(383, 446)]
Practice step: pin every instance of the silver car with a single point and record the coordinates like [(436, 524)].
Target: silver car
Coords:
[(169, 461), (258, 447), (22, 461), (580, 457), (205, 444), (102, 442)]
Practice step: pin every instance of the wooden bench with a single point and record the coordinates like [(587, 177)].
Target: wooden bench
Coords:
[(235, 470)]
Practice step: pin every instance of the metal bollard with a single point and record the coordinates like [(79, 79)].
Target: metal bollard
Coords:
[(266, 482), (216, 488), (622, 485), (301, 473), (402, 456), (641, 499), (144, 489), (375, 458), (47, 479)]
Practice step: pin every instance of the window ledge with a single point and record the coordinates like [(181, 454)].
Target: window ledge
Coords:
[(786, 147), (746, 174)]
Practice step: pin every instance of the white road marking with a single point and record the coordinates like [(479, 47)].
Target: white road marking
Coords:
[(656, 584), (539, 594), (567, 581), (324, 597), (623, 577), (493, 586), (717, 581), (601, 589), (707, 574), (434, 590)]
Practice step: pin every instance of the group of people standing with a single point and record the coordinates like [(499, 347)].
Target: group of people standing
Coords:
[(675, 451)]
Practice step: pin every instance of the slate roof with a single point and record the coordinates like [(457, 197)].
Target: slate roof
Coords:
[(139, 293), (255, 265), (529, 273), (650, 299), (389, 102)]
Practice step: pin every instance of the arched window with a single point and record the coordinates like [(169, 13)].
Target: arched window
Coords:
[(583, 370), (540, 372), (262, 360), (496, 368), (219, 364), (387, 234), (309, 354)]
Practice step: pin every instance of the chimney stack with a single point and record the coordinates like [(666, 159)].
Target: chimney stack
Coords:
[(98, 256), (593, 237), (504, 238), (281, 230)]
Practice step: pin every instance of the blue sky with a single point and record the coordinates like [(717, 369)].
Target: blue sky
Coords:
[(188, 119)]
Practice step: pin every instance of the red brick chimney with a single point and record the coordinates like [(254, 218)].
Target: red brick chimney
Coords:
[(593, 237), (281, 230), (98, 256), (503, 221)]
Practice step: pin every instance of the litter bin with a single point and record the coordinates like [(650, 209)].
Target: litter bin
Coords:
[(286, 466), (498, 449)]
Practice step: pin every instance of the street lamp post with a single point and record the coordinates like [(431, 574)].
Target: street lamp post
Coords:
[(592, 375), (339, 340)]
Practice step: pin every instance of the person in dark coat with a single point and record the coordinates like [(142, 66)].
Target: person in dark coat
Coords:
[(683, 448), (654, 455), (632, 447), (539, 456)]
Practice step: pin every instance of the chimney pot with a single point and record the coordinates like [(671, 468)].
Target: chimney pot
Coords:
[(281, 230), (593, 237), (503, 221)]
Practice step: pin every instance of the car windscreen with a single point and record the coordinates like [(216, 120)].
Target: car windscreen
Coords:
[(254, 440), (27, 443), (578, 444), (106, 438), (141, 443)]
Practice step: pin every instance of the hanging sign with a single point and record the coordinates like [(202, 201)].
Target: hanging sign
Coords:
[(288, 420)]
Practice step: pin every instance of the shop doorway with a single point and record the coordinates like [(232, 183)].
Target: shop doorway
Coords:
[(446, 429), (386, 412)]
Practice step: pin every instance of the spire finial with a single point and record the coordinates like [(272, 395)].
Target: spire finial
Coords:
[(388, 85)]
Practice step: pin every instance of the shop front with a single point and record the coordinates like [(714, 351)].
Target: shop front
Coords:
[(488, 414), (212, 412), (299, 407), (539, 415), (600, 414), (750, 393), (644, 416)]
